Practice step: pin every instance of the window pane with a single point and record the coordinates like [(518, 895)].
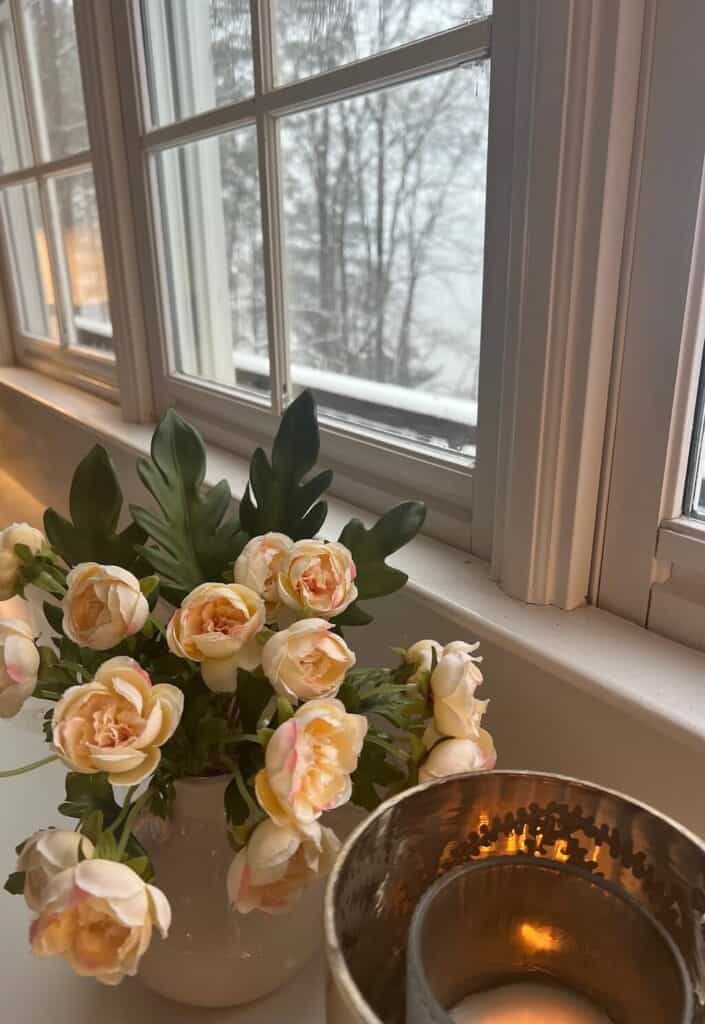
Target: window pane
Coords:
[(199, 55), (74, 196), (384, 206), (212, 245), (56, 77), (15, 150), (317, 35), (29, 262)]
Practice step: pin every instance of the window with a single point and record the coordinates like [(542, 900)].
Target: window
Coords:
[(48, 210), (315, 180)]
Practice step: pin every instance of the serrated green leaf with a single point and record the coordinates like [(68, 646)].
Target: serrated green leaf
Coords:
[(370, 548), (277, 497), (95, 502), (15, 883), (87, 793), (192, 535), (92, 825)]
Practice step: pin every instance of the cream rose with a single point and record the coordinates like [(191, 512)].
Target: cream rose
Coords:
[(99, 917), (19, 665), (307, 660), (102, 606), (454, 757), (16, 533), (317, 578), (45, 855), (420, 655), (217, 625), (308, 763), (272, 871), (117, 723), (258, 566), (453, 683)]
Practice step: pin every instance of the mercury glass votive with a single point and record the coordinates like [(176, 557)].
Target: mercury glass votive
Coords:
[(594, 896), (534, 941)]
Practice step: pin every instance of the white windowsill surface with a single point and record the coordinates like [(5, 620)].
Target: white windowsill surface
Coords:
[(598, 652)]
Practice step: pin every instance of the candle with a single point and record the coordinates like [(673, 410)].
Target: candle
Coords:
[(527, 1003)]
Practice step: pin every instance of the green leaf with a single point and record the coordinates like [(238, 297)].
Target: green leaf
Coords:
[(277, 498), (141, 866), (92, 825), (54, 615), (284, 709), (15, 883), (87, 793), (253, 694), (372, 775), (106, 847), (236, 809), (370, 549), (193, 535), (95, 503)]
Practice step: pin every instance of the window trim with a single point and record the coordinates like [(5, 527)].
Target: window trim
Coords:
[(646, 542), (576, 95)]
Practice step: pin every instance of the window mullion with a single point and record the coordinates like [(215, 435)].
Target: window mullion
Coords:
[(270, 193)]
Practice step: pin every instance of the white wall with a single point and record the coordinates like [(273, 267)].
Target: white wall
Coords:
[(538, 721)]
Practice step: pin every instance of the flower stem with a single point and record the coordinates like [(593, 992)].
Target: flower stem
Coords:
[(129, 822), (125, 810), (29, 767), (244, 792)]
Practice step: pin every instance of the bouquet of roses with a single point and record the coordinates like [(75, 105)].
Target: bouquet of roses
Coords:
[(193, 643)]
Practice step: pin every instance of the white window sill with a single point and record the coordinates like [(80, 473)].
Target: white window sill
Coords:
[(614, 660)]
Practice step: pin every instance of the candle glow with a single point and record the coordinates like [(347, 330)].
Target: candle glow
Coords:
[(527, 1003)]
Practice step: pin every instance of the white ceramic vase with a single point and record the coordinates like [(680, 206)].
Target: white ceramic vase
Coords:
[(215, 956)]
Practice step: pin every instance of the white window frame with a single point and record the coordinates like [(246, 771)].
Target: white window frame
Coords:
[(650, 558), (370, 467), (64, 359)]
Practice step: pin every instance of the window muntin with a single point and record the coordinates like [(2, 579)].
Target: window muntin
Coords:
[(401, 391), (313, 37)]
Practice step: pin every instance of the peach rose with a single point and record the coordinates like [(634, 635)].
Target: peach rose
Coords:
[(272, 871), (455, 678), (99, 917), (102, 606), (306, 660), (420, 655), (117, 723), (217, 625), (455, 757), (45, 855), (317, 578), (19, 665), (258, 566), (16, 533), (308, 763)]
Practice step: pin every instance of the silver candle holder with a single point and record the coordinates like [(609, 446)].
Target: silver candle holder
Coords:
[(553, 860)]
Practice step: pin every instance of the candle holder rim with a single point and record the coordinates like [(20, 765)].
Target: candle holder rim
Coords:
[(344, 980), (416, 926)]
